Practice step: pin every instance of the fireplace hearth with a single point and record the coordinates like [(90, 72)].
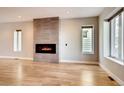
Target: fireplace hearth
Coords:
[(45, 48)]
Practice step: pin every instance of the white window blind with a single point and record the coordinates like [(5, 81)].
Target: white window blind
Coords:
[(17, 40), (87, 40)]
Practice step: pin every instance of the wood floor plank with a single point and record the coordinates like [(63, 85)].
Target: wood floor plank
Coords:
[(25, 72)]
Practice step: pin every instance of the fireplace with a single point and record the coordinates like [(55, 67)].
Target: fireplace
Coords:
[(45, 48)]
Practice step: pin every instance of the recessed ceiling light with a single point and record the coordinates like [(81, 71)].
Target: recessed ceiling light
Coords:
[(68, 12), (19, 16)]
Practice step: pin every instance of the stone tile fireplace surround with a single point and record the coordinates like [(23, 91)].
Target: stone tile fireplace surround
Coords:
[(46, 31)]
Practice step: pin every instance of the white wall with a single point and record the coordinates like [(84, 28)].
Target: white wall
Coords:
[(6, 39), (70, 33), (114, 69)]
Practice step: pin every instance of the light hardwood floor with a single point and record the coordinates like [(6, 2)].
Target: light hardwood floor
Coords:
[(23, 72)]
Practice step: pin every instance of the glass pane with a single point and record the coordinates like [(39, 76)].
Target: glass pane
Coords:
[(15, 41), (116, 37), (122, 36), (19, 41), (112, 37)]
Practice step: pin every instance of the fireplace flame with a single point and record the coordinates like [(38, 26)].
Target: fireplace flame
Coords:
[(46, 49)]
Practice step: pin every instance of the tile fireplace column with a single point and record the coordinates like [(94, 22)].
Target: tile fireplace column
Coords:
[(46, 31)]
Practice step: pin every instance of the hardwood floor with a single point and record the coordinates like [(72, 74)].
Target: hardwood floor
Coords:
[(23, 72)]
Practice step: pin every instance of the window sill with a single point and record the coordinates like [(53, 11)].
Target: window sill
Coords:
[(87, 53), (115, 60)]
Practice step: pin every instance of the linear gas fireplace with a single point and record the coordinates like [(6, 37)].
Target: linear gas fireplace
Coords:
[(45, 48)]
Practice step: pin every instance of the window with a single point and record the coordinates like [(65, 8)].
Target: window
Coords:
[(117, 37), (17, 40), (87, 40)]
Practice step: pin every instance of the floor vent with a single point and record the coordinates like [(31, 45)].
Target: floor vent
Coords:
[(111, 78), (16, 58)]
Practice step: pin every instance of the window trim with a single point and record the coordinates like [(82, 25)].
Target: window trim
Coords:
[(115, 60), (93, 38)]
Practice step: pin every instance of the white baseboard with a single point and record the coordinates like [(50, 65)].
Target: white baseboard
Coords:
[(75, 61), (120, 82), (11, 57)]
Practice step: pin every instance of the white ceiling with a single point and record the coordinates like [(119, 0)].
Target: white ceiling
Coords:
[(14, 14)]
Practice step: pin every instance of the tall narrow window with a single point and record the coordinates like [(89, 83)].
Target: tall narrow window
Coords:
[(17, 40), (122, 53), (117, 37), (87, 40)]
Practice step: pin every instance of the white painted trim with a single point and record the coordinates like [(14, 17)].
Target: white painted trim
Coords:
[(121, 82), (115, 60), (11, 57), (76, 61)]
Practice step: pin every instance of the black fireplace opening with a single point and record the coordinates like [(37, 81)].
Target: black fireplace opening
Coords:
[(45, 48)]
